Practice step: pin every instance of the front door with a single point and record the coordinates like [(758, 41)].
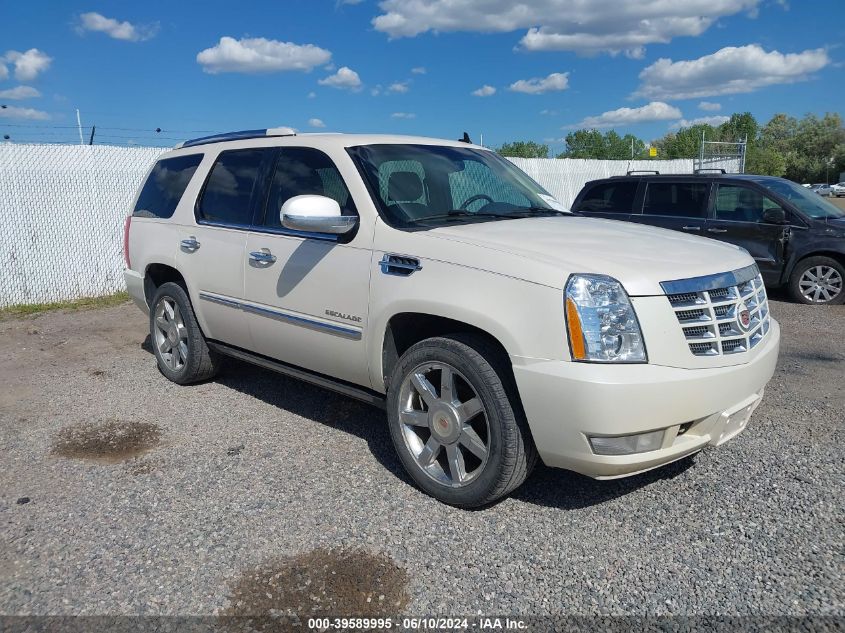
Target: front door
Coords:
[(211, 252), (738, 218), (306, 295)]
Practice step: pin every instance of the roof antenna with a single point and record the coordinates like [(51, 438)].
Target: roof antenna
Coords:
[(465, 139)]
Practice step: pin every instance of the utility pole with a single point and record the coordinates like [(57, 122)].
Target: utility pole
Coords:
[(91, 140), (79, 126)]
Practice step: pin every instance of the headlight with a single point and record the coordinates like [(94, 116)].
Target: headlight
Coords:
[(601, 321)]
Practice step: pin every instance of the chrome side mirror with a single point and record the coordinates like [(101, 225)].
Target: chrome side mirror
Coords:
[(316, 214)]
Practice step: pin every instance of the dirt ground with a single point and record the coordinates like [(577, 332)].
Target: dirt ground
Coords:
[(125, 494)]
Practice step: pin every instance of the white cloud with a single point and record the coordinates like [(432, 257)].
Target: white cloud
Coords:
[(583, 26), (27, 65), (312, 95), (419, 70), (539, 85), (654, 111), (4, 72), (20, 92), (403, 115), (115, 29), (709, 106), (260, 55), (731, 70), (548, 112), (399, 86), (702, 120), (484, 91), (316, 122), (13, 112), (345, 77)]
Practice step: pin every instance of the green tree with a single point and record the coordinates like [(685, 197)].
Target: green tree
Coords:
[(608, 146), (737, 129), (524, 149), (767, 161)]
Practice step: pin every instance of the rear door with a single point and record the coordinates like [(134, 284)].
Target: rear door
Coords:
[(211, 253), (738, 218), (677, 204), (612, 199)]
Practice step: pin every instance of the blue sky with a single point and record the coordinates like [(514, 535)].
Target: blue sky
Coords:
[(537, 68)]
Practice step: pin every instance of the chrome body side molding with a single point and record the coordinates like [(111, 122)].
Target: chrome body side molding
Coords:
[(329, 328)]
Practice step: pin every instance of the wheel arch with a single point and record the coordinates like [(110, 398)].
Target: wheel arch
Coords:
[(156, 274), (403, 329), (834, 254)]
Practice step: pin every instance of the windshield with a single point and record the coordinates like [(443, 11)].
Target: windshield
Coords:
[(808, 201), (421, 186)]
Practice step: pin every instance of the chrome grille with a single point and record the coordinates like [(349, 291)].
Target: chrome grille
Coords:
[(710, 316)]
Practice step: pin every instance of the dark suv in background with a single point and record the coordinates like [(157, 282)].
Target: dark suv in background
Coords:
[(796, 237)]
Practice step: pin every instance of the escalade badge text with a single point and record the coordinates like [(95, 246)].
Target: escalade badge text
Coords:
[(344, 316)]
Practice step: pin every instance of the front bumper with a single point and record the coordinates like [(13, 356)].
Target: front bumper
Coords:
[(567, 401)]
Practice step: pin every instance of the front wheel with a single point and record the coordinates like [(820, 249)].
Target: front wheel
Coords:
[(818, 280), (178, 343), (457, 423)]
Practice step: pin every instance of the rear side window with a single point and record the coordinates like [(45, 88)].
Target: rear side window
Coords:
[(610, 197), (678, 199), (227, 197), (303, 171), (165, 185)]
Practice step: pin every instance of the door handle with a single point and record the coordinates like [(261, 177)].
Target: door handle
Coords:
[(190, 244), (262, 257), (692, 228), (715, 230)]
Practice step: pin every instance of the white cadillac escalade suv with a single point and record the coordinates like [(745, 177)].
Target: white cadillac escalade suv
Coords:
[(435, 279)]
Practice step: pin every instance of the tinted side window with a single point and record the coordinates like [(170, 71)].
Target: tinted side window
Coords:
[(741, 204), (610, 197), (679, 199), (301, 171), (228, 191), (165, 186)]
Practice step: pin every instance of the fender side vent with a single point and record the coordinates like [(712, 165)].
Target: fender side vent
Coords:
[(401, 265)]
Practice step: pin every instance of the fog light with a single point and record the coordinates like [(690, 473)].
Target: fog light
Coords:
[(627, 444)]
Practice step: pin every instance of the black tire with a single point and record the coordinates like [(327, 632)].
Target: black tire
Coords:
[(512, 454), (809, 264), (200, 362)]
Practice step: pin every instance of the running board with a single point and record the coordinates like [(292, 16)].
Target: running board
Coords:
[(347, 389)]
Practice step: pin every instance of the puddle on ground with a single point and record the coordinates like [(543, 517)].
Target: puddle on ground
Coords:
[(319, 583), (108, 442)]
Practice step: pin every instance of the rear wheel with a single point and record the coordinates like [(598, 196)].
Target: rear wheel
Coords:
[(818, 280), (178, 343), (456, 421)]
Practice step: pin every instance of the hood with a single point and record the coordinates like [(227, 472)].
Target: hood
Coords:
[(638, 256)]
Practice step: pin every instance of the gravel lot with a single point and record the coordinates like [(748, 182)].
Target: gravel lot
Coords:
[(125, 494)]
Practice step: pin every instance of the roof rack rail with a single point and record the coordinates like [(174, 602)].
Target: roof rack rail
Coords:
[(701, 169), (237, 136), (642, 171)]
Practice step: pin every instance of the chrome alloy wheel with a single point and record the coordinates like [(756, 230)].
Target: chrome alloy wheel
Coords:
[(171, 335), (445, 428), (820, 284)]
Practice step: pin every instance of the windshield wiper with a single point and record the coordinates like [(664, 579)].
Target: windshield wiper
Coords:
[(538, 210), (460, 213)]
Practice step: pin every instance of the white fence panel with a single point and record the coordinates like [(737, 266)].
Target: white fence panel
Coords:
[(61, 219), (62, 209), (564, 177)]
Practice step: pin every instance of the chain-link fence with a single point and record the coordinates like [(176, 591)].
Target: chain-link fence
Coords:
[(61, 219), (62, 209)]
